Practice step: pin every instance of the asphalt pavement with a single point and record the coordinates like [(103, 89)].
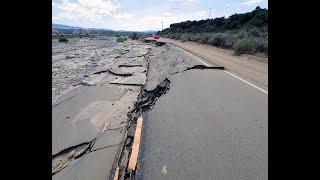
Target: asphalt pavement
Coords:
[(209, 125)]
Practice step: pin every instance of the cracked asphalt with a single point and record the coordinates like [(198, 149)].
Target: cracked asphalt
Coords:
[(207, 125)]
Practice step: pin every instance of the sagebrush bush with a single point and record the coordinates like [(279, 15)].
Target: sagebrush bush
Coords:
[(176, 36), (203, 40), (245, 46), (134, 36), (218, 39), (195, 37), (262, 46), (63, 39), (254, 33), (184, 37)]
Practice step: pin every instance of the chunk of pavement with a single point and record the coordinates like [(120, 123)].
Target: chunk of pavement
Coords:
[(94, 81), (130, 65), (101, 70), (136, 80), (131, 70), (95, 165), (81, 128), (160, 43), (72, 121), (70, 93), (120, 72)]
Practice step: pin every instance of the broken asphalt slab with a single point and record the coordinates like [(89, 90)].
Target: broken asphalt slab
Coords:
[(126, 71), (71, 124), (136, 80)]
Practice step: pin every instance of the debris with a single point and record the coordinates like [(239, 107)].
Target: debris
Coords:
[(119, 72), (164, 169), (101, 70), (136, 144), (204, 67), (130, 65), (160, 43), (137, 80), (94, 81)]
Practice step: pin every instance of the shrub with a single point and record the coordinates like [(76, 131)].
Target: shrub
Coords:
[(218, 39), (262, 46), (176, 36), (195, 37), (254, 32), (243, 46), (240, 35), (120, 39), (203, 40), (184, 37), (134, 36), (63, 39)]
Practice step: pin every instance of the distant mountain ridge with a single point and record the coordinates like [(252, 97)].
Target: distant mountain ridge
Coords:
[(62, 27)]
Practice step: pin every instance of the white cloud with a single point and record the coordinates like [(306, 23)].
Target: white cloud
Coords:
[(245, 4), (251, 2), (167, 14), (188, 2), (123, 16), (154, 22), (86, 11)]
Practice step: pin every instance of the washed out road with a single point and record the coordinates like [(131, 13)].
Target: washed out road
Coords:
[(199, 123)]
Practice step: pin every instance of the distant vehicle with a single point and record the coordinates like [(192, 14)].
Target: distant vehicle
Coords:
[(152, 37)]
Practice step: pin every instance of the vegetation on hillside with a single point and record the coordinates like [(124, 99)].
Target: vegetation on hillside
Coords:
[(245, 33)]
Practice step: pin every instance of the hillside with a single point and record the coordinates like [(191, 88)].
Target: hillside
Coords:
[(245, 33)]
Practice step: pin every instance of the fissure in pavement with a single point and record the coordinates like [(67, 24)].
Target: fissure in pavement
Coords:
[(145, 101)]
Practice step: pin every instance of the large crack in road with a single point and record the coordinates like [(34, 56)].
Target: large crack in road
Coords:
[(146, 101)]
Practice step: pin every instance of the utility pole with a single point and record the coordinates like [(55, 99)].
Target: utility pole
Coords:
[(209, 13), (162, 25)]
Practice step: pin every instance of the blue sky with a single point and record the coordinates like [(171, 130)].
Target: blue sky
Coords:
[(140, 15)]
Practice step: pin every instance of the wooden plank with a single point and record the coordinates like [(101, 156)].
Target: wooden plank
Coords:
[(136, 144), (116, 175)]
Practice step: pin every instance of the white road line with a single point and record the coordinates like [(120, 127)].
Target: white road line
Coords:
[(247, 82), (194, 56), (225, 71)]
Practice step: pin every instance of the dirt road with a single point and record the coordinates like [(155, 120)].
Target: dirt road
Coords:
[(251, 68)]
